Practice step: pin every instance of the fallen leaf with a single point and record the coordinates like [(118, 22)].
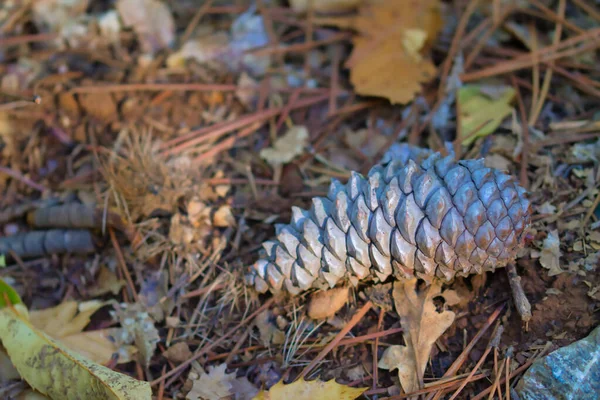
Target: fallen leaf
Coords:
[(422, 325), (178, 353), (106, 282), (313, 390), (218, 384), (268, 330), (65, 323), (223, 217), (482, 109), (151, 20), (287, 147), (326, 303), (550, 254), (389, 56), (204, 49), (100, 106), (38, 357)]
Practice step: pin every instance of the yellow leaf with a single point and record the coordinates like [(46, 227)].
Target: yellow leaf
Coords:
[(52, 369), (313, 390), (482, 109), (422, 325), (389, 56), (66, 321)]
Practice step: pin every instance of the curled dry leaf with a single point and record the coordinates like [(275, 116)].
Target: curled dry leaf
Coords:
[(313, 390), (422, 325), (38, 357), (550, 254), (326, 303), (287, 147)]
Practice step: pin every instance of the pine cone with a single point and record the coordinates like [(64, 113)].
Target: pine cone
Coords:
[(415, 214)]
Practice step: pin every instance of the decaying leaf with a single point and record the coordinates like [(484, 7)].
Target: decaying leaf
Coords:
[(138, 328), (286, 147), (422, 325), (66, 322), (482, 109), (178, 353), (106, 282), (151, 20), (550, 254), (388, 59), (326, 303), (217, 384), (313, 390), (268, 330), (38, 357)]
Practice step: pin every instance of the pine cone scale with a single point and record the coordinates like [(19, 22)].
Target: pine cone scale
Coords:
[(417, 213)]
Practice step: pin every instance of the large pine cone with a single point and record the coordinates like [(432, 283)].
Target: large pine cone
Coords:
[(415, 214)]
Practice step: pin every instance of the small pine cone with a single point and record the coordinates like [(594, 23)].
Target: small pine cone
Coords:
[(415, 214)]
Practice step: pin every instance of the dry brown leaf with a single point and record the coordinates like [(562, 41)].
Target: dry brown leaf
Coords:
[(223, 217), (326, 303), (388, 59), (178, 353), (66, 322), (100, 106), (151, 20), (287, 147), (268, 330), (106, 282), (422, 325), (550, 254)]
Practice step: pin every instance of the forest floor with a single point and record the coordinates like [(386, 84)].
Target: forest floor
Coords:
[(156, 144)]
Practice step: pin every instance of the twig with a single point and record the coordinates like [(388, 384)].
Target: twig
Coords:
[(494, 343), (550, 53), (521, 302), (195, 21), (537, 106), (18, 176), (122, 263)]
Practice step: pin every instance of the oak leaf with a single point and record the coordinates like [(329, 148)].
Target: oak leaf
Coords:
[(389, 58), (422, 325)]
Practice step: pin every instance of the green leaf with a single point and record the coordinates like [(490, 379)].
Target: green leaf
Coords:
[(7, 292), (54, 370), (482, 109), (2, 261)]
